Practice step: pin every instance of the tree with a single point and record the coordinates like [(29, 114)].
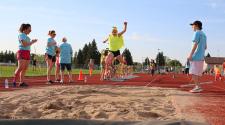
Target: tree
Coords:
[(75, 59), (1, 56), (208, 55), (160, 59), (174, 63), (12, 57), (146, 62), (7, 56), (94, 53), (80, 57), (128, 56), (85, 54)]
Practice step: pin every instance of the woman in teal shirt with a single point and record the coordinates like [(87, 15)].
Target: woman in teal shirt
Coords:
[(23, 54), (50, 55)]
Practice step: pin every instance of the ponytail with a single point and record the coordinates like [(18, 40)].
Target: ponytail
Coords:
[(24, 27), (51, 32)]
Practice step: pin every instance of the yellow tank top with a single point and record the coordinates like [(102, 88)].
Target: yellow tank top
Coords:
[(115, 42), (217, 71)]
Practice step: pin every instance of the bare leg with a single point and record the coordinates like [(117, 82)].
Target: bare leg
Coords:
[(57, 72), (120, 58), (49, 69), (22, 74), (62, 76), (18, 70), (196, 80), (70, 76)]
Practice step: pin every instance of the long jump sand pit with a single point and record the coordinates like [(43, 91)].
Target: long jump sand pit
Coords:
[(95, 102)]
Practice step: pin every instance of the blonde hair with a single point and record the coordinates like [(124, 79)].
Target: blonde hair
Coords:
[(114, 28)]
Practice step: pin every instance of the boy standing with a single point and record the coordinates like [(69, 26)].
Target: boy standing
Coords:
[(197, 55)]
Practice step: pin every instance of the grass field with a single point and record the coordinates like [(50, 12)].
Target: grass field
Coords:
[(8, 71)]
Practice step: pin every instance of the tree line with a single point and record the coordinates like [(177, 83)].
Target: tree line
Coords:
[(90, 51), (162, 60), (80, 58), (7, 57)]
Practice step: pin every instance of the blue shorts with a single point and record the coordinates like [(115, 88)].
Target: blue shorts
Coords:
[(64, 65)]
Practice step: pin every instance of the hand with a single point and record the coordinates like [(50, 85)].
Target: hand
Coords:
[(34, 40), (54, 43), (189, 58)]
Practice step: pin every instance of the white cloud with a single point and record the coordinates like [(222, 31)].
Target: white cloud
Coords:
[(216, 4), (213, 5)]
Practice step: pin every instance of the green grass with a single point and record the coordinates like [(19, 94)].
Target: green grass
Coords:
[(8, 71)]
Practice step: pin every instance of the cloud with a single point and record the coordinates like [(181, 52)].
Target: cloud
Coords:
[(216, 4)]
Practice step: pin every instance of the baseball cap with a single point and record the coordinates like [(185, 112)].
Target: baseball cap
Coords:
[(197, 22)]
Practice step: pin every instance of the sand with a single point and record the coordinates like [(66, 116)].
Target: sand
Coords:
[(88, 102)]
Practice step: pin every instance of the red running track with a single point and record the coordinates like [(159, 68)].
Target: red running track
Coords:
[(212, 107)]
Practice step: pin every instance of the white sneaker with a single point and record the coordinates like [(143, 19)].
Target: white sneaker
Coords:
[(61, 81), (196, 90)]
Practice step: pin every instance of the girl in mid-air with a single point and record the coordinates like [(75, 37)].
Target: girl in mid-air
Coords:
[(116, 42)]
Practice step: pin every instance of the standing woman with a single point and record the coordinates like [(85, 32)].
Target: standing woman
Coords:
[(23, 54), (50, 55)]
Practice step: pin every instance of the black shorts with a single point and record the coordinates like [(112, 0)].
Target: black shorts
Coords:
[(64, 65), (152, 71), (53, 58), (186, 70), (115, 53)]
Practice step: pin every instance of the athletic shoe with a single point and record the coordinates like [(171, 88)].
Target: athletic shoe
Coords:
[(61, 81), (196, 90), (58, 80), (23, 84), (50, 82), (14, 84)]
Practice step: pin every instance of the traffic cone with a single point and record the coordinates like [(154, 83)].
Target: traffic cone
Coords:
[(81, 78), (90, 72)]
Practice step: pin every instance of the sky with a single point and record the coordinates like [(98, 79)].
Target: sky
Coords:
[(153, 25)]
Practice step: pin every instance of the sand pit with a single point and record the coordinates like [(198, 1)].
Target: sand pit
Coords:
[(88, 102)]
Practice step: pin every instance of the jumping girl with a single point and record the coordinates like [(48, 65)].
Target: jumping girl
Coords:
[(116, 42)]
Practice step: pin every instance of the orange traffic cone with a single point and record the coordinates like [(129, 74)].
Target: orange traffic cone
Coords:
[(80, 78), (90, 72)]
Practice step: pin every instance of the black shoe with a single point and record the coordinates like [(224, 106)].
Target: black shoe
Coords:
[(50, 82), (23, 84), (14, 84)]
